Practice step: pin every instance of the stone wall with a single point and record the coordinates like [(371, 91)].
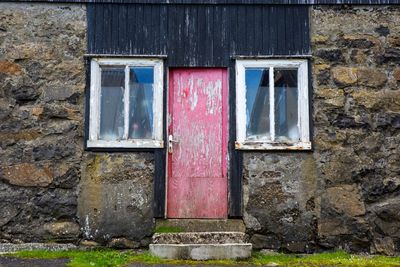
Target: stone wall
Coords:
[(357, 126), (50, 188), (42, 80), (345, 194)]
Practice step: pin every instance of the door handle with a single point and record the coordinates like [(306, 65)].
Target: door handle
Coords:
[(171, 142)]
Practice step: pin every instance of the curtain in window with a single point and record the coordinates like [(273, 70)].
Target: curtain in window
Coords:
[(141, 103), (112, 103)]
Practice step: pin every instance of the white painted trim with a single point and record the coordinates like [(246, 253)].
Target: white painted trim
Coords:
[(303, 104), (133, 143), (271, 104), (126, 104), (158, 101), (95, 91), (94, 116), (304, 116), (240, 103)]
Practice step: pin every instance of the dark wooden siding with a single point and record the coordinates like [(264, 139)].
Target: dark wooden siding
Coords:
[(198, 35)]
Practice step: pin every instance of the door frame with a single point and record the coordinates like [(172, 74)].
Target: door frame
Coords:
[(226, 119)]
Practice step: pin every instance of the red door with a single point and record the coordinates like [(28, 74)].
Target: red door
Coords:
[(197, 156)]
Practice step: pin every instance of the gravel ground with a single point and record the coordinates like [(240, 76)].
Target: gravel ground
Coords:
[(16, 262)]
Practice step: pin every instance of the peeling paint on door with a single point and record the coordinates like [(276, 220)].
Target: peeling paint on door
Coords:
[(197, 166)]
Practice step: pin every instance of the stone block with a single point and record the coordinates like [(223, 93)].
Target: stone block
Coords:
[(391, 55), (123, 243), (53, 93), (382, 30), (27, 174), (394, 41), (346, 199), (57, 203), (24, 92), (358, 41), (332, 227), (264, 241), (384, 246), (8, 212), (62, 231), (6, 108), (332, 96), (349, 76), (396, 74), (330, 55), (344, 76), (371, 77), (319, 39), (9, 67)]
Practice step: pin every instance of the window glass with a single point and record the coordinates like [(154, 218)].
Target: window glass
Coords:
[(286, 105), (112, 103), (257, 103), (141, 102)]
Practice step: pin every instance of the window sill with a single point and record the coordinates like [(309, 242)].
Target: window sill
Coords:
[(254, 145), (125, 144)]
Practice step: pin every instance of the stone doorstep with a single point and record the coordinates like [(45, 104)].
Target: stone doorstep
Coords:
[(203, 225), (200, 238), (201, 251)]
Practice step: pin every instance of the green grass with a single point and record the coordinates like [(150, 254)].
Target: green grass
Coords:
[(338, 258), (108, 258)]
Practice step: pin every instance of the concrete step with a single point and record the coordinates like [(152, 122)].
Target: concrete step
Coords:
[(201, 251), (200, 238), (201, 245), (201, 225)]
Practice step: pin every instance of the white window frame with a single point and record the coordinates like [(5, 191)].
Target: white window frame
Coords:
[(303, 105), (95, 91)]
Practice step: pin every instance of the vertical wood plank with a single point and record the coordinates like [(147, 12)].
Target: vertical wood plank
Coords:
[(159, 184), (209, 41), (163, 25), (202, 34), (258, 29), (232, 28)]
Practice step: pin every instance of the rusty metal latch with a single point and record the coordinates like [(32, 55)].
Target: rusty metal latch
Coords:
[(171, 142)]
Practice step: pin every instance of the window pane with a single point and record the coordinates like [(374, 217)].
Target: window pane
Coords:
[(112, 103), (286, 111), (257, 104), (141, 102)]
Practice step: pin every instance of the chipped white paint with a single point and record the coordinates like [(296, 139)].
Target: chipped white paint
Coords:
[(193, 97), (303, 105), (95, 89), (213, 93)]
